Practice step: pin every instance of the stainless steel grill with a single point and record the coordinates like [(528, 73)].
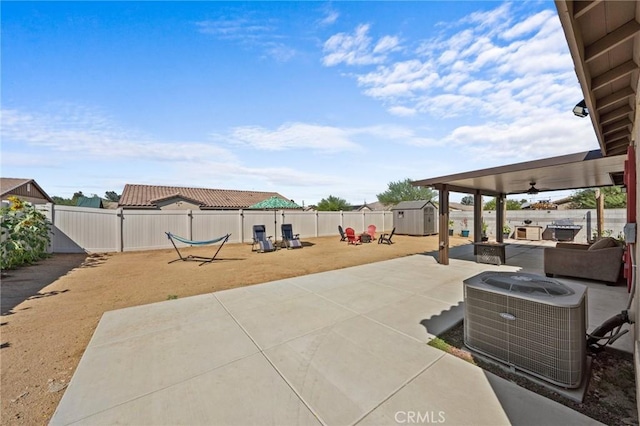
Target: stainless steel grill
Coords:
[(564, 229)]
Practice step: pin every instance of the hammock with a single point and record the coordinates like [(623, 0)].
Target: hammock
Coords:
[(202, 259)]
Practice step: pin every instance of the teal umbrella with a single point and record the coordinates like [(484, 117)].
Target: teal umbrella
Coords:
[(275, 203)]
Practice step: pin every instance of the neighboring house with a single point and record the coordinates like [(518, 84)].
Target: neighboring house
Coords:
[(563, 203), (377, 206), (25, 189), (460, 207), (93, 202), (182, 198)]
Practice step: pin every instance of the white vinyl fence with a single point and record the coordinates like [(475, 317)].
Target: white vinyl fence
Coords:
[(81, 229)]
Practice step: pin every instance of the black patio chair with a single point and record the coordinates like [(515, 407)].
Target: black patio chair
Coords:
[(386, 238), (343, 236)]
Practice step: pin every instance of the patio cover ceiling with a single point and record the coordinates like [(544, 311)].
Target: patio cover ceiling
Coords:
[(573, 171), (604, 40)]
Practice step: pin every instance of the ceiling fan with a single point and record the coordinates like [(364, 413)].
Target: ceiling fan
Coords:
[(533, 190)]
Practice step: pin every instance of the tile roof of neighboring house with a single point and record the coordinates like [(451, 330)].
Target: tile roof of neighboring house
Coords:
[(9, 184), (147, 196)]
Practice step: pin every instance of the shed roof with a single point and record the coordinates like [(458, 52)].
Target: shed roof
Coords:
[(94, 202), (147, 196), (412, 205)]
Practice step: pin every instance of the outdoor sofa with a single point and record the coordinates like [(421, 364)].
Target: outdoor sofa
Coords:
[(600, 261)]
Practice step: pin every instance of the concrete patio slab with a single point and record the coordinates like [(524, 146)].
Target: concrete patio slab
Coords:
[(275, 323), (452, 391), (418, 316), (363, 297), (245, 392), (124, 369), (346, 370), (341, 347)]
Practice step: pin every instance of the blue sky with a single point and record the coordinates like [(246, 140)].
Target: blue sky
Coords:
[(308, 99)]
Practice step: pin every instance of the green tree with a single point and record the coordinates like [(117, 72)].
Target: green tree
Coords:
[(467, 200), (333, 204), (614, 198), (68, 201), (511, 204), (112, 196), (404, 191)]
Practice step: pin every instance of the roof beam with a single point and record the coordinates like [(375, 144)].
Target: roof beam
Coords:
[(621, 143), (613, 74), (611, 40), (615, 114), (615, 126), (617, 135), (618, 151), (580, 8), (614, 98)]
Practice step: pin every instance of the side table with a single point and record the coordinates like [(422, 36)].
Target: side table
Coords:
[(491, 253)]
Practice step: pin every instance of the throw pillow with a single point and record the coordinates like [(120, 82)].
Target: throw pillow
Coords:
[(603, 243)]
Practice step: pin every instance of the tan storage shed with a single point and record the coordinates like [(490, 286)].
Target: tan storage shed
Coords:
[(415, 218)]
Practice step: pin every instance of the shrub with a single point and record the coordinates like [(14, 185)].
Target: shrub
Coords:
[(24, 234)]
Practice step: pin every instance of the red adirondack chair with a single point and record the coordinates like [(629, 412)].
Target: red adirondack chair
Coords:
[(352, 238), (371, 230)]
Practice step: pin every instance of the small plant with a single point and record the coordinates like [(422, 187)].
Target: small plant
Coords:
[(464, 223), (506, 229), (172, 297), (451, 223), (485, 227)]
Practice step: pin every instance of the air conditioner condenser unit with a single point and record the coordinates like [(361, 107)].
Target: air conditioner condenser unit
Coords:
[(529, 322)]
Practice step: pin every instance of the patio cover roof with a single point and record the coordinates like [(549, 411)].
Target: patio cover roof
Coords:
[(573, 171), (604, 40)]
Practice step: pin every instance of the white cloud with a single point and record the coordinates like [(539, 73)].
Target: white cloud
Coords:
[(499, 64), (529, 25), (293, 136), (250, 33), (85, 132), (402, 111), (330, 17), (356, 48)]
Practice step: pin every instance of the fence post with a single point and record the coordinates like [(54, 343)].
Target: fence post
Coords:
[(190, 224), (241, 225), (316, 222), (49, 214), (119, 229)]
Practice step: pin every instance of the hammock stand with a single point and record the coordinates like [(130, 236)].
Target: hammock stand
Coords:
[(202, 259)]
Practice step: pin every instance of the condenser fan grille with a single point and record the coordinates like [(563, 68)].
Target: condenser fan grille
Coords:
[(527, 284)]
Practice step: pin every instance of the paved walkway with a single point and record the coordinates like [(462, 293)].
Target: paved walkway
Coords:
[(337, 348)]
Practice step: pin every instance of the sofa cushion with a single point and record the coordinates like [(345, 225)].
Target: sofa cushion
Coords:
[(604, 243)]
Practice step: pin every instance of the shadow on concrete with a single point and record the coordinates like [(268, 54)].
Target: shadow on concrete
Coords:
[(445, 320), (25, 283)]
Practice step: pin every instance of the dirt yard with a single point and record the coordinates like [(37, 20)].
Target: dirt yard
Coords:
[(50, 310)]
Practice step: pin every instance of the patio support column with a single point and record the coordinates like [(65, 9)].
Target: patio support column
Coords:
[(443, 226), (500, 215), (599, 212), (477, 218)]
